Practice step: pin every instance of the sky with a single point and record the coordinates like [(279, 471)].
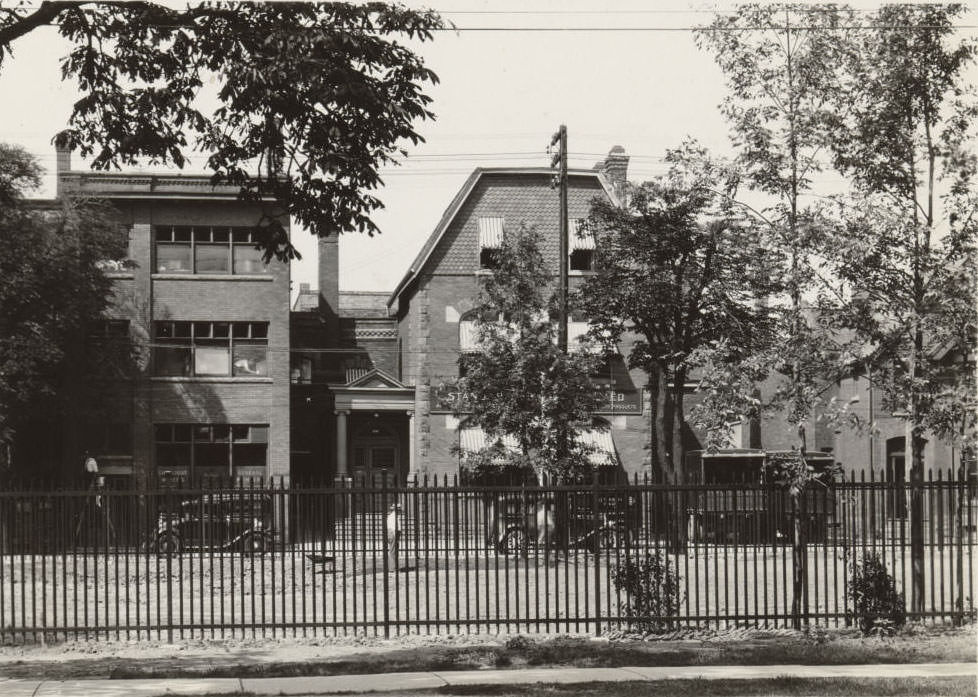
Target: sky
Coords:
[(623, 73)]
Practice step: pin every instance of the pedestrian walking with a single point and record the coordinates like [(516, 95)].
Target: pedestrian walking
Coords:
[(392, 526)]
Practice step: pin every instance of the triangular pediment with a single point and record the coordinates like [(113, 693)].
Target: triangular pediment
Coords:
[(377, 378)]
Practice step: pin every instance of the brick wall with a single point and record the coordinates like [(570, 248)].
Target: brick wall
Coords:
[(449, 287), (143, 297)]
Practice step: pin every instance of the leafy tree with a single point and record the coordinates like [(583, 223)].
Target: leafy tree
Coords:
[(53, 295), (681, 270), (906, 258), (313, 97), (520, 384), (781, 63)]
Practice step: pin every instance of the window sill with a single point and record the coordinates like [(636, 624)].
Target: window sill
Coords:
[(219, 379), (120, 275), (576, 272), (212, 277), (485, 272)]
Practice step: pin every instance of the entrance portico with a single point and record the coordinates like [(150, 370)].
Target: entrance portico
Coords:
[(374, 429)]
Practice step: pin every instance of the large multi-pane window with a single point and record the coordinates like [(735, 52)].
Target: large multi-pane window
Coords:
[(210, 349), (199, 451), (206, 249)]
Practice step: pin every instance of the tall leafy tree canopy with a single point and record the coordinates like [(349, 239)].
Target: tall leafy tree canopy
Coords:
[(520, 385), (54, 295), (781, 66), (313, 98), (682, 270), (906, 256)]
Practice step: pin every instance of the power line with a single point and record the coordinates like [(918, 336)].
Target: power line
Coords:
[(873, 27)]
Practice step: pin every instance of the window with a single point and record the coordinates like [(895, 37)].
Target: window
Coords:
[(469, 339), (468, 336), (201, 451), (113, 440), (581, 247), (210, 349), (490, 242), (108, 333), (207, 250), (578, 340)]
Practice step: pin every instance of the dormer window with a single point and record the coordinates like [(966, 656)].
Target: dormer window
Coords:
[(490, 242), (581, 247)]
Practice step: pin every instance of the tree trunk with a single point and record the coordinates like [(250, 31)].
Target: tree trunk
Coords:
[(917, 560), (661, 429), (678, 422), (799, 552), (679, 455), (913, 445), (799, 558)]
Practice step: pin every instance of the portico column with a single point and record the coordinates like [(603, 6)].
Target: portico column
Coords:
[(411, 472), (342, 471)]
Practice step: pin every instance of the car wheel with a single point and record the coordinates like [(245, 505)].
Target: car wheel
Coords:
[(256, 543), (167, 543), (513, 541), (608, 539)]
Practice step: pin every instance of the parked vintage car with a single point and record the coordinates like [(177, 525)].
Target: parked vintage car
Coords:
[(229, 521), (604, 520), (738, 498)]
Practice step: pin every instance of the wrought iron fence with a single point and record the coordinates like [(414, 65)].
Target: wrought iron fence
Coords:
[(264, 559)]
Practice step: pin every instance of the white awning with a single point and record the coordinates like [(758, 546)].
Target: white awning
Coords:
[(580, 239), (473, 439), (578, 339), (468, 337), (604, 453), (490, 233)]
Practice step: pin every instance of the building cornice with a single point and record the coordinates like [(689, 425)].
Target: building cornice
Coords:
[(146, 186)]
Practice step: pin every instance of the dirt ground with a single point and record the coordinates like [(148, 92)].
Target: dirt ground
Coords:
[(218, 596), (364, 654)]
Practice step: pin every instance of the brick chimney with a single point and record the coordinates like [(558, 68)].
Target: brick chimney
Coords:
[(329, 287), (615, 169)]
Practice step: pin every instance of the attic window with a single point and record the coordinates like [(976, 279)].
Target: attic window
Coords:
[(490, 242), (581, 246)]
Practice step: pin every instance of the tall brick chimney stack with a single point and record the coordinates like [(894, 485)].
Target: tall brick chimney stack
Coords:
[(329, 287), (615, 169), (62, 165)]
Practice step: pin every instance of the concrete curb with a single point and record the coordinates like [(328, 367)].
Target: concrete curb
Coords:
[(390, 682)]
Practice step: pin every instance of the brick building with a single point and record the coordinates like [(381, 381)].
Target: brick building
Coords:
[(210, 320), (347, 384), (433, 303)]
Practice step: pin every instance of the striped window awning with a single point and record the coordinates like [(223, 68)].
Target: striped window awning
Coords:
[(604, 454), (578, 340), (579, 238), (490, 233), (473, 438), (468, 337)]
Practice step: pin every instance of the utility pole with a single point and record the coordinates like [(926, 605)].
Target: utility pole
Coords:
[(558, 161)]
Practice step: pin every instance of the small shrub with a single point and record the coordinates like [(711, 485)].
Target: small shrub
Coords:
[(880, 610), (519, 643), (652, 592)]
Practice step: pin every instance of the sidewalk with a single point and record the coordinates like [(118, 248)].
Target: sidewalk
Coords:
[(400, 682)]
